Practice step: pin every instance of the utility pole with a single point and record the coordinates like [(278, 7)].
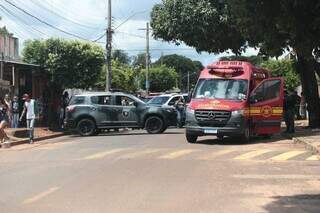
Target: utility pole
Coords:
[(109, 48), (147, 29), (188, 86), (147, 58)]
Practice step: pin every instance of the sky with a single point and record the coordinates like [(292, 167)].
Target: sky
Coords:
[(87, 19)]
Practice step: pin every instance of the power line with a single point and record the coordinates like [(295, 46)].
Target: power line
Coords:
[(130, 17), (28, 26), (44, 22), (131, 34), (40, 5)]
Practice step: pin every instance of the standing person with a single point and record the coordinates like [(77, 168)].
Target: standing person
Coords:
[(15, 112), (8, 102), (3, 120), (297, 98), (289, 111), (29, 108), (180, 111), (63, 106)]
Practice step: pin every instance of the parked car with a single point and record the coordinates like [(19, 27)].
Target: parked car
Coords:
[(168, 101), (89, 113)]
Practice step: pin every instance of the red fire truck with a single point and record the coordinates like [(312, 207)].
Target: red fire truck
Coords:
[(235, 99)]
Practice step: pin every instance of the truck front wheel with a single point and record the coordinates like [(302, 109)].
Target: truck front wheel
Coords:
[(155, 125), (191, 138), (245, 137)]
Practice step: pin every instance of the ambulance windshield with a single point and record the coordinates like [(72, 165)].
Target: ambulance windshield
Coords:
[(228, 89)]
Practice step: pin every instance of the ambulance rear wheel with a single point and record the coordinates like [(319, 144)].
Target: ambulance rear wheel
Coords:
[(191, 138)]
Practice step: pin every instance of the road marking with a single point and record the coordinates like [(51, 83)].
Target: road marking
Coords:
[(40, 196), (287, 155), (216, 154), (177, 154), (313, 158), (139, 154), (103, 154), (291, 176), (252, 154)]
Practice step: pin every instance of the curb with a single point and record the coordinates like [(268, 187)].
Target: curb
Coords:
[(308, 146), (24, 141)]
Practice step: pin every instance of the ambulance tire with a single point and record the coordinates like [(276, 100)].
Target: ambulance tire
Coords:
[(191, 138), (245, 137)]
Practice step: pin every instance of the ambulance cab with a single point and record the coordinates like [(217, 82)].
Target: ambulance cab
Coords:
[(235, 99)]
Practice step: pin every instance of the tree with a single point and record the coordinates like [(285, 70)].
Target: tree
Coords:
[(123, 77), (274, 27), (182, 65), (286, 69), (71, 64), (121, 56), (161, 78), (139, 61)]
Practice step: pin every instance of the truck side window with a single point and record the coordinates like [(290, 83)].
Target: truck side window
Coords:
[(267, 91), (101, 100)]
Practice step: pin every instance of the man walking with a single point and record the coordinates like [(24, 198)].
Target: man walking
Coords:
[(29, 108)]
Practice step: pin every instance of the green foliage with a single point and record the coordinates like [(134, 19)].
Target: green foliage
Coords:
[(161, 78), (206, 25), (71, 64), (121, 56), (123, 77), (182, 65), (139, 61), (286, 69)]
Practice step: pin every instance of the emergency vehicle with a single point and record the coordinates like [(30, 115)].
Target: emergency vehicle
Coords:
[(235, 99)]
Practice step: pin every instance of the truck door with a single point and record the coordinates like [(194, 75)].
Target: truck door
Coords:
[(266, 107), (125, 112), (102, 110)]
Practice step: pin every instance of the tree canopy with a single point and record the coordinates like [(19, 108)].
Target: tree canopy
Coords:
[(286, 69), (161, 78), (121, 56), (182, 65), (71, 64), (273, 27)]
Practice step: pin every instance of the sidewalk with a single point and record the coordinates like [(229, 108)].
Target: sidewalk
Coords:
[(310, 138), (20, 135)]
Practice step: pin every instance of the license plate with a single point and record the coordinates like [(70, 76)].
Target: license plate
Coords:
[(210, 131)]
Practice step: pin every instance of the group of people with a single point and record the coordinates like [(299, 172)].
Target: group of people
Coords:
[(10, 115)]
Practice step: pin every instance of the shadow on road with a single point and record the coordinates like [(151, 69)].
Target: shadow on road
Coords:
[(237, 141), (128, 133), (295, 204)]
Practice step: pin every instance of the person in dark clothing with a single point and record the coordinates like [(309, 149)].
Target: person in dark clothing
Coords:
[(15, 112), (289, 111), (297, 105)]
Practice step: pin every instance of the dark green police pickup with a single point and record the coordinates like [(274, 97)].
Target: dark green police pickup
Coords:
[(92, 112)]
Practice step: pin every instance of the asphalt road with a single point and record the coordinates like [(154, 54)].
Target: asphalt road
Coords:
[(137, 172)]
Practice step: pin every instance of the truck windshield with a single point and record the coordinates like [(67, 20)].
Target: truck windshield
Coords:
[(228, 89), (159, 100)]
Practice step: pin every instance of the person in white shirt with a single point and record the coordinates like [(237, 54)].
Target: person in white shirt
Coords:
[(29, 110)]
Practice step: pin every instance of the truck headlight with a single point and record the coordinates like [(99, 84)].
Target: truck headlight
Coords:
[(238, 112), (189, 110)]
